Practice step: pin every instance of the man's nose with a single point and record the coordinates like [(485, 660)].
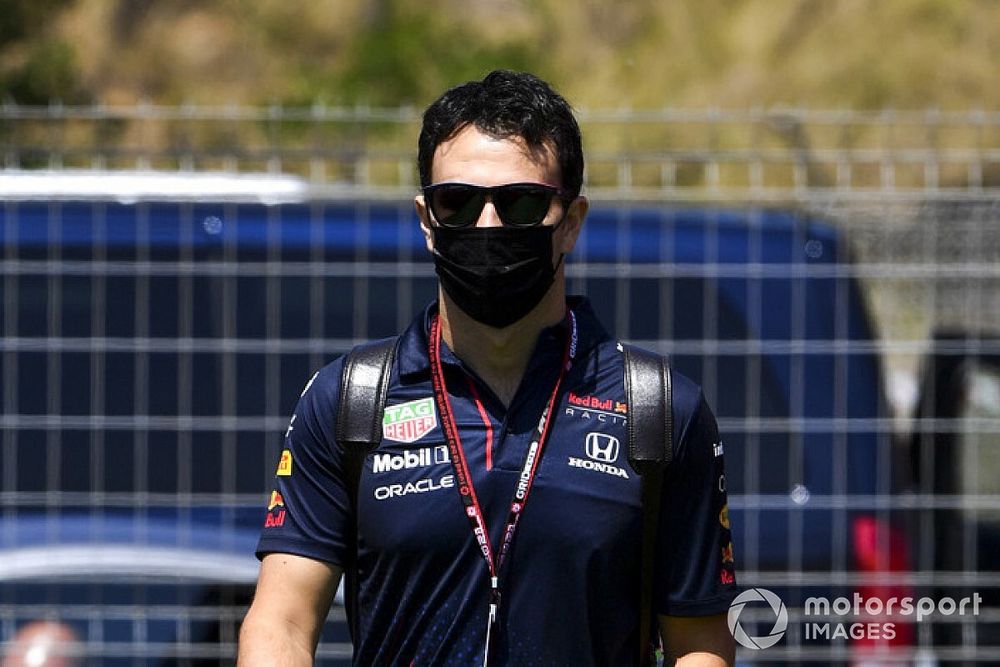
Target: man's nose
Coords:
[(489, 216)]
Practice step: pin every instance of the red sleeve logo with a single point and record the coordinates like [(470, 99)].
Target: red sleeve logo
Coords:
[(275, 519)]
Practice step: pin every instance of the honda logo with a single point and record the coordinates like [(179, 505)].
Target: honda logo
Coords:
[(602, 447)]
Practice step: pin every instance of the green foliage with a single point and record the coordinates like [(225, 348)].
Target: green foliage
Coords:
[(49, 74), (600, 54), (408, 56), (20, 19), (45, 68)]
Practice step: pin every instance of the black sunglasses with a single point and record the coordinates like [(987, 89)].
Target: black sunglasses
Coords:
[(517, 204)]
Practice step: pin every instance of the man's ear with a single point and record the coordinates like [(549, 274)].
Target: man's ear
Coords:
[(570, 228), (425, 221)]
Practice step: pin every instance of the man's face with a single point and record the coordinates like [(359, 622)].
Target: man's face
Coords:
[(478, 159)]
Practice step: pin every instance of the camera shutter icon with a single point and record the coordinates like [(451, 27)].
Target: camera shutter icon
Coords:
[(758, 596)]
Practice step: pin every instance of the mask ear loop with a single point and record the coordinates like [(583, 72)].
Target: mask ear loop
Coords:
[(555, 228), (562, 256)]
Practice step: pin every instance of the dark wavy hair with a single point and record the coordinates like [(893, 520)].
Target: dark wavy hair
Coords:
[(506, 104)]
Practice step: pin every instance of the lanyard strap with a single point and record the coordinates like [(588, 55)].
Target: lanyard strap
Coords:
[(466, 489)]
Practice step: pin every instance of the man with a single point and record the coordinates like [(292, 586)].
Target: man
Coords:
[(498, 522)]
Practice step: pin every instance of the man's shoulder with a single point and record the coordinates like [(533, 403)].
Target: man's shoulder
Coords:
[(354, 376), (322, 390), (686, 396)]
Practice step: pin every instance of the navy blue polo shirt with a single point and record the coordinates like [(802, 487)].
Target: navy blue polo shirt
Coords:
[(570, 585)]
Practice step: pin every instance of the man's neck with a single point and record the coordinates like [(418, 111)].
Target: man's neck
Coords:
[(500, 356)]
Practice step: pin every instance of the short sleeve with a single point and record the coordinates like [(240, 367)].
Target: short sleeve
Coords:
[(309, 509), (695, 563)]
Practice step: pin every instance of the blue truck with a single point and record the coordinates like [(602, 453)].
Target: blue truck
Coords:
[(153, 350)]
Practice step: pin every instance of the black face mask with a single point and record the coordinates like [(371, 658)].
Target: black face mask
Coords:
[(496, 275)]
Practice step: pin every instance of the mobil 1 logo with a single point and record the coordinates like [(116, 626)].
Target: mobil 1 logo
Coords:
[(397, 486)]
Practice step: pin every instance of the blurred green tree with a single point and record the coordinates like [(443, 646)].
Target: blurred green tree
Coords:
[(408, 54), (37, 66)]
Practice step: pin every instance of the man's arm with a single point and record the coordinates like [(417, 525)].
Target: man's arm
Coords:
[(696, 578), (697, 641), (293, 597)]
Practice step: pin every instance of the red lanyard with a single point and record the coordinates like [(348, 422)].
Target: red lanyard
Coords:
[(464, 480)]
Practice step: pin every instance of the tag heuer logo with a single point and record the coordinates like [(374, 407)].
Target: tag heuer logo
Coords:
[(408, 422)]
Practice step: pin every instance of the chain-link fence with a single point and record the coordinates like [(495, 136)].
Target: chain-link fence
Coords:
[(172, 276)]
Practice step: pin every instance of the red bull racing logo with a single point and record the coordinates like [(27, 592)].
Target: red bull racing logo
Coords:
[(596, 403)]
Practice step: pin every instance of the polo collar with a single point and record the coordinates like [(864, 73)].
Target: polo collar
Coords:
[(414, 362)]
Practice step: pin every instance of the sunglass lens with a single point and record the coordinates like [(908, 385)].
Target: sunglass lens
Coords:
[(523, 206), (457, 205)]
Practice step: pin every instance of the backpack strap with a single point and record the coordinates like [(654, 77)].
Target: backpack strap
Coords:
[(650, 407), (364, 387), (649, 395)]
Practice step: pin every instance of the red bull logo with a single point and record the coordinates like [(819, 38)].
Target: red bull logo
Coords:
[(592, 402), (727, 553), (275, 519), (276, 501)]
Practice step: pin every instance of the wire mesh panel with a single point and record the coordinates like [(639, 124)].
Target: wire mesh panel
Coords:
[(829, 278), (152, 355)]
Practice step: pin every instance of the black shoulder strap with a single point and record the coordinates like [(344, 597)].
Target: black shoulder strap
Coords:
[(651, 419), (364, 386), (649, 396)]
